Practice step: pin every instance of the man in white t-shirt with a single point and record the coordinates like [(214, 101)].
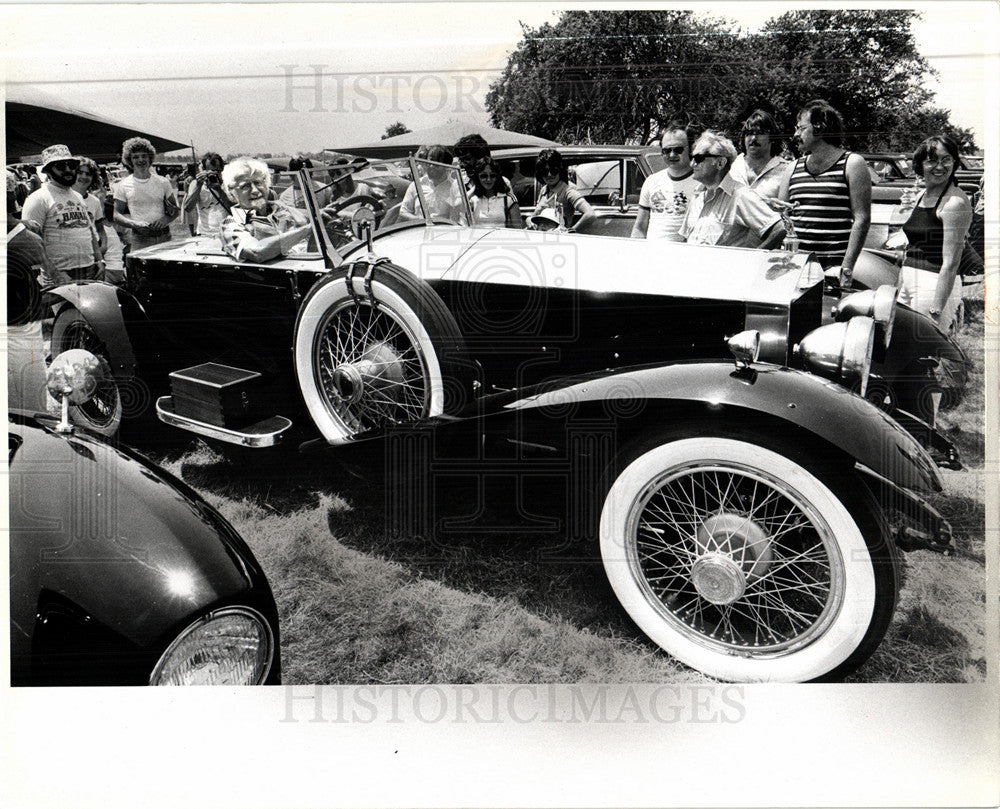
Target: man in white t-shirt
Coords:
[(60, 216), (666, 195), (145, 202)]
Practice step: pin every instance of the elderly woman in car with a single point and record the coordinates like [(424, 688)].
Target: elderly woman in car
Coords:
[(256, 229)]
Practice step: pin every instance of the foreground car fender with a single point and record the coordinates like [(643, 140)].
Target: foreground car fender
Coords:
[(112, 559), (796, 398), (104, 307)]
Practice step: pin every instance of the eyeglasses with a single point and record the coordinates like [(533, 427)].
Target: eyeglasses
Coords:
[(698, 158), (487, 176), (942, 160), (669, 150), (246, 185)]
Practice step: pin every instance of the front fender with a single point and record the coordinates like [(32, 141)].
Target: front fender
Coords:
[(102, 305), (914, 337), (825, 409)]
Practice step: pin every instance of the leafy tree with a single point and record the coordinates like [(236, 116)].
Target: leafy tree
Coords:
[(620, 76), (611, 76), (398, 128), (864, 62)]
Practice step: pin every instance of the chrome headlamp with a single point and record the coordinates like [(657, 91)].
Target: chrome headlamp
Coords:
[(745, 347), (233, 646), (879, 304), (840, 351)]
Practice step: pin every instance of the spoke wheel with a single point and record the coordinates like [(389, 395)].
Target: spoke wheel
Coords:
[(388, 352), (744, 564), (103, 412), (372, 372)]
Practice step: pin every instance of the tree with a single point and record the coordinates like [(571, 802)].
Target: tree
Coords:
[(620, 76), (611, 76), (864, 62), (398, 128)]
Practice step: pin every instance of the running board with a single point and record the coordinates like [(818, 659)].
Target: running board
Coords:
[(266, 433)]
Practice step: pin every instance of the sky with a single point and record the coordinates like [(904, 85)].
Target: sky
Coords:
[(243, 78)]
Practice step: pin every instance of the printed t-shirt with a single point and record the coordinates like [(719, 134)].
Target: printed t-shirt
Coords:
[(667, 200), (67, 233)]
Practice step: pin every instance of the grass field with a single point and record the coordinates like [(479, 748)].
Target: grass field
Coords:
[(359, 605)]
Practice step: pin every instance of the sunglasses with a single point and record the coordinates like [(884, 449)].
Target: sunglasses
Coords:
[(701, 156), (487, 176), (678, 150)]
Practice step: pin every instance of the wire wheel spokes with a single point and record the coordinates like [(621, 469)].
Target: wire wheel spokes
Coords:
[(103, 406), (735, 558), (370, 368)]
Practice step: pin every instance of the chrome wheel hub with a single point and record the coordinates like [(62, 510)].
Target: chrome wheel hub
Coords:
[(718, 578), (378, 369)]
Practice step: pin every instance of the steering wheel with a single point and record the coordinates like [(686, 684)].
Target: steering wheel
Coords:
[(336, 207)]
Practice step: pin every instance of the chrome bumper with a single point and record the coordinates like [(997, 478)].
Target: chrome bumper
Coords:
[(266, 433)]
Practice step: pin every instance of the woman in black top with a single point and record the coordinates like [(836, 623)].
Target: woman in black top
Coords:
[(936, 232)]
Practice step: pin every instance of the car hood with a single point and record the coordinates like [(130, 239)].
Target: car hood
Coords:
[(129, 545), (597, 264)]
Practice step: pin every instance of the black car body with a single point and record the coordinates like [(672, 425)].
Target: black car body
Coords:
[(114, 563), (602, 361)]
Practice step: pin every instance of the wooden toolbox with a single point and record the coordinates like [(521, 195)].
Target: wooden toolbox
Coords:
[(218, 394)]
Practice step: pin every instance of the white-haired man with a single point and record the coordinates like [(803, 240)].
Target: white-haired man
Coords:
[(726, 213), (257, 230)]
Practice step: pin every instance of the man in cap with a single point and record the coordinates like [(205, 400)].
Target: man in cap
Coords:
[(60, 216)]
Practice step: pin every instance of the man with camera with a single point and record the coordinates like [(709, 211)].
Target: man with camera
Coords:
[(206, 196)]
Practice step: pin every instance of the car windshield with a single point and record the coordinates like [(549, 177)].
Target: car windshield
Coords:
[(387, 188)]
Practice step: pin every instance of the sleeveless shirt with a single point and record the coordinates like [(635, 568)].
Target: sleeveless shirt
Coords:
[(925, 233), (823, 220)]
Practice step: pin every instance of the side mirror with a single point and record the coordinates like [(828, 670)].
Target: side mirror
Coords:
[(73, 378)]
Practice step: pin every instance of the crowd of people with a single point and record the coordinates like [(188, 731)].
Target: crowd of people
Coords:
[(710, 192)]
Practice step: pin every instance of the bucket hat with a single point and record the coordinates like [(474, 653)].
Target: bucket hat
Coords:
[(53, 154)]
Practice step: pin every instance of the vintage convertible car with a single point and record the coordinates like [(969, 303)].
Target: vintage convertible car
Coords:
[(120, 574), (748, 505)]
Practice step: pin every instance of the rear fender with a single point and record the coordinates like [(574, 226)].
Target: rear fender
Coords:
[(826, 410), (102, 306)]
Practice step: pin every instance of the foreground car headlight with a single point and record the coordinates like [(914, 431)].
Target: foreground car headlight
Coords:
[(879, 304), (840, 351), (233, 646)]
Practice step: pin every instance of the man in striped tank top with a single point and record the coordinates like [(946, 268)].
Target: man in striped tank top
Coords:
[(832, 189)]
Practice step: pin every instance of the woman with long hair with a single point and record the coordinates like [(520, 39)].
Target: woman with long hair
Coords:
[(492, 201)]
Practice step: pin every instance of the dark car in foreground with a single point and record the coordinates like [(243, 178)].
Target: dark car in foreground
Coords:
[(120, 574), (696, 406)]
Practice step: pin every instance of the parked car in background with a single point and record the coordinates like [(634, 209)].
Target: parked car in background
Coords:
[(609, 178), (120, 574), (696, 402)]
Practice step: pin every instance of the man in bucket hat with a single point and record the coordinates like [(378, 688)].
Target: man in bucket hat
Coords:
[(59, 215)]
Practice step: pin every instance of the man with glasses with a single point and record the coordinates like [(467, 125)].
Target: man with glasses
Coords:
[(60, 216), (726, 213), (666, 195)]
